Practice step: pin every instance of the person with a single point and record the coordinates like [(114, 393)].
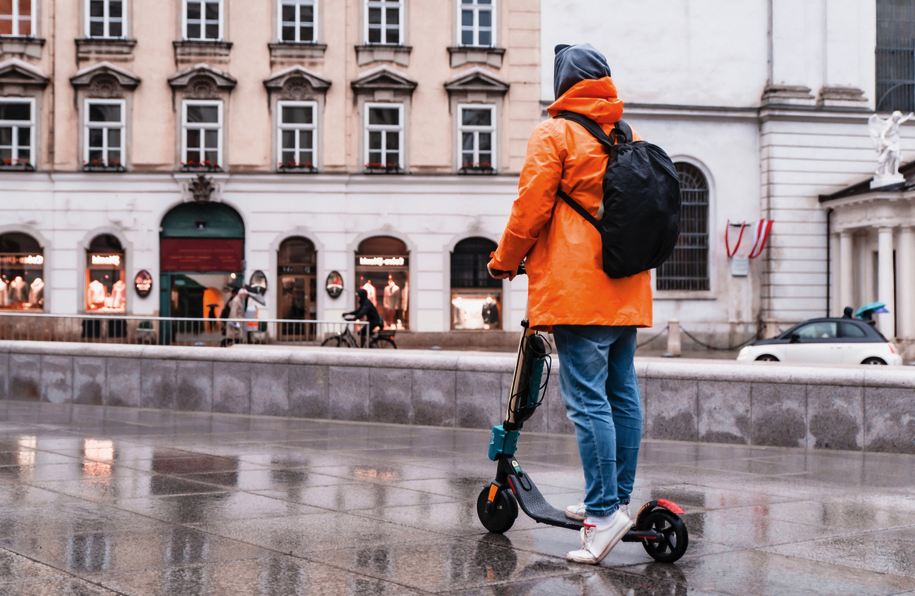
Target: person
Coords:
[(365, 309), (593, 317), (237, 306)]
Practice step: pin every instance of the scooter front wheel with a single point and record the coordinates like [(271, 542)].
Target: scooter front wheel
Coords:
[(673, 536), (501, 515)]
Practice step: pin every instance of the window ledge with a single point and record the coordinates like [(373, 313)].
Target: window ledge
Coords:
[(477, 171), (282, 169), (296, 50), (378, 52), (103, 168), (18, 167), (199, 168), (194, 51), (91, 47), (383, 170), (21, 46), (491, 56), (685, 295)]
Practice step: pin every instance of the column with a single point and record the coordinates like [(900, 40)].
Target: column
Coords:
[(885, 281), (905, 260), (846, 262)]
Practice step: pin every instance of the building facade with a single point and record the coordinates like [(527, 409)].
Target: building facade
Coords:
[(155, 154), (764, 105)]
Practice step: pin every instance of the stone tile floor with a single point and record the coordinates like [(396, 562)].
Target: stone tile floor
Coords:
[(100, 501)]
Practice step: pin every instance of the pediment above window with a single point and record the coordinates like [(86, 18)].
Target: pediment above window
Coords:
[(477, 81), (17, 73), (383, 80), (202, 78), (104, 79), (296, 83)]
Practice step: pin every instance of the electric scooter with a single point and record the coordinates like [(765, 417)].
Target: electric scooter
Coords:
[(658, 525)]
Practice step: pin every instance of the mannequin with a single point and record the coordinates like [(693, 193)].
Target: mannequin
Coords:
[(490, 313), (18, 291), (95, 295), (369, 288), (4, 292), (391, 301), (36, 293), (119, 296)]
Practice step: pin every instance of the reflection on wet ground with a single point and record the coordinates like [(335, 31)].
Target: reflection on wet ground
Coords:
[(97, 501)]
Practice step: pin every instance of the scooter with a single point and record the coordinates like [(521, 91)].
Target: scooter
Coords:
[(658, 525)]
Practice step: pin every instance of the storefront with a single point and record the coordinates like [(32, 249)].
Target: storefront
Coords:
[(22, 285), (383, 271), (476, 298), (106, 289), (297, 288), (201, 251)]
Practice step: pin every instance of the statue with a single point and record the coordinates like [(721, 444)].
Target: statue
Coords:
[(885, 133)]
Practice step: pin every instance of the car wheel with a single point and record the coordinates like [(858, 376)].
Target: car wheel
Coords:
[(874, 360), (766, 358)]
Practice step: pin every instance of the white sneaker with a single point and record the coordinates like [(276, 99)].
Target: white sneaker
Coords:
[(577, 512), (596, 542)]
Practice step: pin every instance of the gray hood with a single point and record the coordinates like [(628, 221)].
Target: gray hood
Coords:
[(575, 63)]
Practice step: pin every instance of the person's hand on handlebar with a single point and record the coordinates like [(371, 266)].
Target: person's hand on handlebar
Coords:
[(500, 274)]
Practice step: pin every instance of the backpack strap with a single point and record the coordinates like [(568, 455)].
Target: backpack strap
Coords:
[(578, 208), (621, 133)]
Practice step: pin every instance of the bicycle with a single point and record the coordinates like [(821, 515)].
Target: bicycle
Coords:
[(381, 339)]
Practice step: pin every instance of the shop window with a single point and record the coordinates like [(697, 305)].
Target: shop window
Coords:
[(298, 21), (383, 21), (383, 271), (17, 134), (106, 289), (477, 134), (296, 135), (384, 138), (16, 18), (103, 142), (298, 288), (203, 20), (106, 19), (687, 268), (21, 272), (476, 23), (201, 137), (476, 298)]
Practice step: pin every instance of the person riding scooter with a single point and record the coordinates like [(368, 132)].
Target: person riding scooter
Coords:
[(366, 310)]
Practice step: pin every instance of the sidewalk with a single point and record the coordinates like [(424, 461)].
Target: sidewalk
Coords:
[(95, 500)]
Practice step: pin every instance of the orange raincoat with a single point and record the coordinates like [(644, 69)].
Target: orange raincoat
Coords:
[(566, 281)]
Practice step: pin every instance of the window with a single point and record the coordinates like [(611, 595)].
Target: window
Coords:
[(202, 20), (822, 330), (851, 330), (17, 134), (21, 272), (296, 135), (383, 21), (106, 19), (384, 137), (477, 135), (476, 298), (201, 139), (476, 23), (16, 17), (103, 145), (298, 21), (895, 55), (687, 267)]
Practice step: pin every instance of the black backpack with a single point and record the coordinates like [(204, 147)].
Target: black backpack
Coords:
[(641, 219)]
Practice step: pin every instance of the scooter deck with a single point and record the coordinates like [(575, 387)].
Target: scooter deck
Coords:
[(533, 503)]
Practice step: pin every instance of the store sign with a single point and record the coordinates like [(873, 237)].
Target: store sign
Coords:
[(295, 269), (143, 283), (334, 284), (202, 255), (21, 260), (382, 261), (112, 260)]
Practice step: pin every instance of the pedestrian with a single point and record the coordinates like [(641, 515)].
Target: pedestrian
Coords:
[(592, 316), (238, 304)]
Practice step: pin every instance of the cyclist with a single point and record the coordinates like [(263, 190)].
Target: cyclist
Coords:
[(365, 309)]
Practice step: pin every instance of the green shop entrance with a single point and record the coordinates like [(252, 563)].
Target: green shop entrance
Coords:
[(201, 260)]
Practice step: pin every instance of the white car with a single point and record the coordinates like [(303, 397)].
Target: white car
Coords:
[(825, 341)]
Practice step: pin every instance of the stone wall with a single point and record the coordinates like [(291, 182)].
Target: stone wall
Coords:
[(860, 408)]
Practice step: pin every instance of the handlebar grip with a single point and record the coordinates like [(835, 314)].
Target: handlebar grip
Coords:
[(521, 270)]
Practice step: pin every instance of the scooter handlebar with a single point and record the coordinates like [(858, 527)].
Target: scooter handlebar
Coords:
[(521, 270)]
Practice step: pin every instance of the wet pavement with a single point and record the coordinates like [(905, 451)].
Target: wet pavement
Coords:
[(106, 500)]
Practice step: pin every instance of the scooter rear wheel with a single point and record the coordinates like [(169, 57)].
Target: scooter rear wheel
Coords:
[(674, 536), (502, 514)]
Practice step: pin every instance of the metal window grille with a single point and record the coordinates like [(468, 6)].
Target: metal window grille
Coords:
[(687, 267), (895, 55)]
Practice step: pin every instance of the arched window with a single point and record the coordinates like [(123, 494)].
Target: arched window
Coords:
[(106, 288), (383, 271), (21, 272), (687, 267), (297, 292), (476, 298)]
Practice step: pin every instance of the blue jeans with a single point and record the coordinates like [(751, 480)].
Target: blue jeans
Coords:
[(598, 383)]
